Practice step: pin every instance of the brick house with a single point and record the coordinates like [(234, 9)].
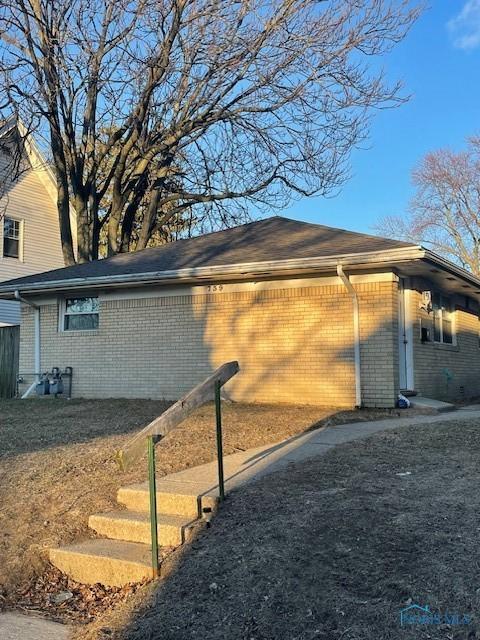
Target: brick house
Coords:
[(313, 314)]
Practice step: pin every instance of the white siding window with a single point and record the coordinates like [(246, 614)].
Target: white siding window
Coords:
[(12, 238), (79, 314), (443, 325)]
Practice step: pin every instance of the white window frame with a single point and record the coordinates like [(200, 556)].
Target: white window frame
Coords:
[(63, 314), (440, 313), (21, 234)]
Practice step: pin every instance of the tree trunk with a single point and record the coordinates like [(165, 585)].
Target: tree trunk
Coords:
[(63, 203), (127, 226), (114, 219), (83, 231), (95, 237), (63, 207)]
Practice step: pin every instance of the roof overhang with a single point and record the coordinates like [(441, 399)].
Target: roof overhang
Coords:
[(369, 261), (443, 273)]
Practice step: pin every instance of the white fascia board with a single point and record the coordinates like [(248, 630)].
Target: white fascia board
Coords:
[(235, 271), (295, 267)]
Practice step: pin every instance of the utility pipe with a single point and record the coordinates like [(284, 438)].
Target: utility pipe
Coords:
[(356, 333), (36, 315)]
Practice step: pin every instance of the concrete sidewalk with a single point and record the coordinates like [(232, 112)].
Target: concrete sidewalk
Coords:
[(14, 626), (251, 464)]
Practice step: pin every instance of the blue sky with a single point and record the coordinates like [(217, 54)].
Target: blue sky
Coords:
[(439, 64)]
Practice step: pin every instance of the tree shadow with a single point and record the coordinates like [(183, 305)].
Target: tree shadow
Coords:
[(42, 423)]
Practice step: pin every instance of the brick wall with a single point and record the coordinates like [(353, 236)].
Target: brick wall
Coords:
[(293, 344), (432, 361), (379, 343)]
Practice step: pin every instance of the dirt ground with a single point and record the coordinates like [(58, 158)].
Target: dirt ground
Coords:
[(333, 549), (56, 467)]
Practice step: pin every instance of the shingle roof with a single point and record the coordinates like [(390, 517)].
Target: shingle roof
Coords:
[(272, 239)]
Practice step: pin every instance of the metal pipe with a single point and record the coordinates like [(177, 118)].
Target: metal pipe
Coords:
[(356, 334), (218, 416), (152, 484), (37, 363)]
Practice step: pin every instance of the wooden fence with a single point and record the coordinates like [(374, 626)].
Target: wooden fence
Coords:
[(9, 346)]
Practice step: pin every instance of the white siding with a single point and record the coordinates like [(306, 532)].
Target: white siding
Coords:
[(31, 200), (9, 312)]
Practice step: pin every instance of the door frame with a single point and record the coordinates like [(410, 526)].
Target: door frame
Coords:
[(405, 336)]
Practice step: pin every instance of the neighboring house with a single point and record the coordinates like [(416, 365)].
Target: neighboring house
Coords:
[(29, 229), (313, 315)]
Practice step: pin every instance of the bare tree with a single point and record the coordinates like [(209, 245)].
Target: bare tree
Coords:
[(157, 109), (445, 211)]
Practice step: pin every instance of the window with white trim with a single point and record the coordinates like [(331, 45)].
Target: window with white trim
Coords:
[(443, 326), (12, 238), (80, 314)]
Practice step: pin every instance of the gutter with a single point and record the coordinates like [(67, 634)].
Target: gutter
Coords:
[(298, 266), (356, 334), (36, 312)]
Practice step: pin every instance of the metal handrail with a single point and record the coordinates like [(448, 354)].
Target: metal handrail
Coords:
[(174, 415), (152, 485), (218, 425), (165, 423)]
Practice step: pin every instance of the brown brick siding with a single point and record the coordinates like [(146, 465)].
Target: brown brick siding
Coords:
[(293, 345)]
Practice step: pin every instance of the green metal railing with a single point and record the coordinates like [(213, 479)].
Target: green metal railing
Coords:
[(218, 424), (152, 485)]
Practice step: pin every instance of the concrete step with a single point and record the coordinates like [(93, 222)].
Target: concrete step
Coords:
[(173, 498), (109, 562), (134, 526), (420, 402)]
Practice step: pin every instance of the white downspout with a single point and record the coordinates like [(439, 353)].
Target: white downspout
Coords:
[(36, 314), (356, 334)]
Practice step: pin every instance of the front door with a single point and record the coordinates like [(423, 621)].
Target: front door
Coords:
[(405, 338)]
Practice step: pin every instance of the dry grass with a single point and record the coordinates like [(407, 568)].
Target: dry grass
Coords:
[(56, 464), (331, 549)]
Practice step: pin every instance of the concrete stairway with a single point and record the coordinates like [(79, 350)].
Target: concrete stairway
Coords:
[(123, 554)]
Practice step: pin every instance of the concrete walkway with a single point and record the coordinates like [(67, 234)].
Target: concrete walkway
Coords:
[(14, 626), (240, 468), (251, 464)]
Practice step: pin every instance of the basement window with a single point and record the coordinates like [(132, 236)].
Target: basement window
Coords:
[(442, 319), (80, 314)]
